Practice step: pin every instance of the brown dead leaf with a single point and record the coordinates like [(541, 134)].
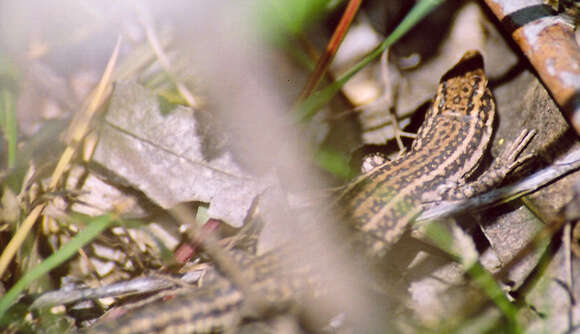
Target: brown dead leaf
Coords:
[(161, 154)]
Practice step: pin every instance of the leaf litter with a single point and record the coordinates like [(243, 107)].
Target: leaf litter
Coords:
[(161, 151)]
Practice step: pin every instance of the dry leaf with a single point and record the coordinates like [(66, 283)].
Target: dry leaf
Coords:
[(161, 154)]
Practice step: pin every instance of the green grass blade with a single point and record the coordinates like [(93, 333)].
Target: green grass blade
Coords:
[(8, 124), (441, 237), (93, 229), (311, 105), (485, 281)]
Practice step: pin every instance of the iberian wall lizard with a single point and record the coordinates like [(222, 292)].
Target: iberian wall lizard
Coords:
[(380, 204)]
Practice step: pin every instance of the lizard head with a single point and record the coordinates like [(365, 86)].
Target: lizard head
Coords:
[(462, 86)]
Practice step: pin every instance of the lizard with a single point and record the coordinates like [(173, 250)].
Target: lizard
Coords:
[(450, 143), (380, 205)]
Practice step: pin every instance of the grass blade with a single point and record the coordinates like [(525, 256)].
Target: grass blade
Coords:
[(311, 105), (8, 123), (93, 229)]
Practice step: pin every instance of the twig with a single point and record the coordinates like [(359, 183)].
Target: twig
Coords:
[(331, 48), (138, 285), (548, 41), (568, 164)]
